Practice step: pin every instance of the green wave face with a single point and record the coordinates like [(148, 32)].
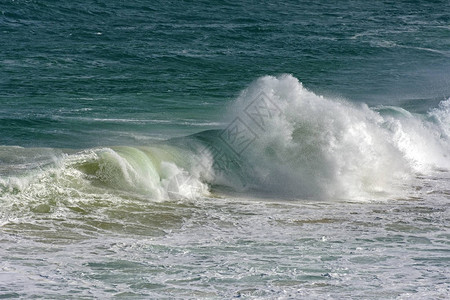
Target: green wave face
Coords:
[(279, 139)]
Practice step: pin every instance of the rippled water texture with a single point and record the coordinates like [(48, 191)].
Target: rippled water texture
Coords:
[(222, 149)]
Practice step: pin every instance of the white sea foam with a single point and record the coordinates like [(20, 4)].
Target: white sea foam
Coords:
[(282, 140), (312, 146)]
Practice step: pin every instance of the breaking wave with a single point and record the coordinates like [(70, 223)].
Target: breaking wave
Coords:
[(281, 139)]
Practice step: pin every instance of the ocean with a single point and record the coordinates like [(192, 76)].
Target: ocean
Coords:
[(224, 149)]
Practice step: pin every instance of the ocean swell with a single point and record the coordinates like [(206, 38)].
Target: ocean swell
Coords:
[(281, 139)]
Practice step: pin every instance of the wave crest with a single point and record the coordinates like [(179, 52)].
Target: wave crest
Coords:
[(306, 145), (281, 139)]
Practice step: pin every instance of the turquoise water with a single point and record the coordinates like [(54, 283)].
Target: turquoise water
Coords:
[(223, 149)]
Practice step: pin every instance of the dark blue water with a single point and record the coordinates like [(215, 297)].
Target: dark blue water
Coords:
[(64, 65)]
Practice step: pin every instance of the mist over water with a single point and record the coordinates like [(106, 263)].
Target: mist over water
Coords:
[(282, 140), (220, 150)]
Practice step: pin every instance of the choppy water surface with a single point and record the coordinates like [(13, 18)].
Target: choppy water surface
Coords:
[(224, 248), (221, 150)]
